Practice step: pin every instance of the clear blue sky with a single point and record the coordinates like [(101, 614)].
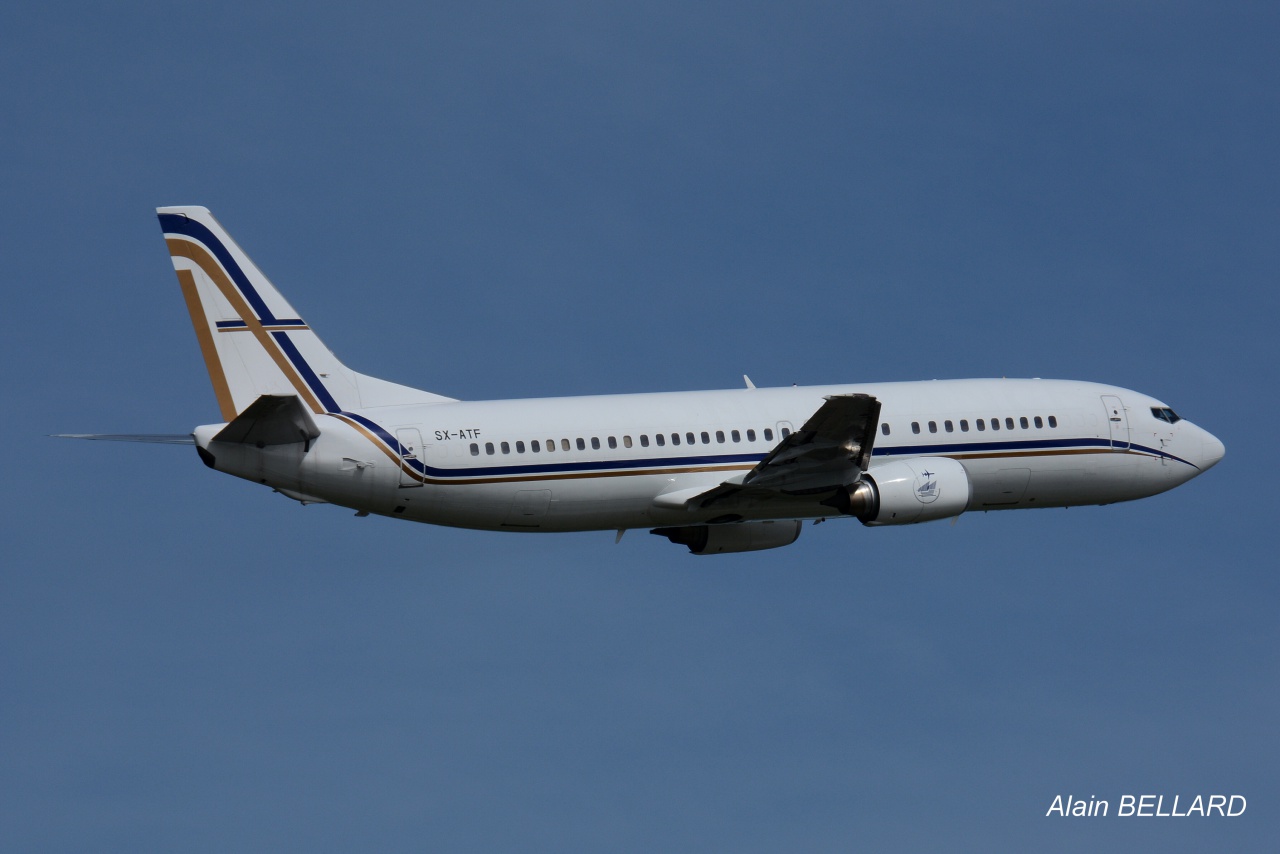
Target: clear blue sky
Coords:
[(543, 199)]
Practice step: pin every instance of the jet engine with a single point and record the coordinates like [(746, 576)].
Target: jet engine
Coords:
[(907, 491), (738, 537)]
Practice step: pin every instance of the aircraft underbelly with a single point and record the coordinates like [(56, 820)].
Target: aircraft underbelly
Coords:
[(567, 504)]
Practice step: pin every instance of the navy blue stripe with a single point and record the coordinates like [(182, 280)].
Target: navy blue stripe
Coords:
[(179, 224), (308, 375), (728, 459), (1136, 447), (1022, 445), (240, 324), (978, 447), (597, 465), (383, 435), (550, 468)]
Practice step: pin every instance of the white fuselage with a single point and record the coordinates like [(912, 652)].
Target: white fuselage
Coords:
[(628, 461)]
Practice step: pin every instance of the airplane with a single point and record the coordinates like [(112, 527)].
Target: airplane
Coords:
[(717, 471)]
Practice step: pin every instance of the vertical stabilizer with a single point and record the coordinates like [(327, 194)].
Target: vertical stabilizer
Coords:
[(253, 342)]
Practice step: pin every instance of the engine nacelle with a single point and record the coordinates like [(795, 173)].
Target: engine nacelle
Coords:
[(908, 491), (738, 537)]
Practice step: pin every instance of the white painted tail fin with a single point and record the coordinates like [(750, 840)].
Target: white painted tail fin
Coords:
[(254, 343)]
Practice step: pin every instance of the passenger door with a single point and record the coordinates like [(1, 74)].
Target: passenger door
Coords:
[(1117, 422)]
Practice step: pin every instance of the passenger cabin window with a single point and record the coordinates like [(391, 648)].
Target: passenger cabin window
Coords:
[(564, 444), (706, 438), (982, 425), (626, 441), (964, 426), (995, 423), (735, 435), (933, 426), (1023, 422), (506, 448), (751, 435), (690, 438), (915, 426), (644, 440), (595, 443), (1039, 422), (786, 431), (675, 438), (475, 449), (519, 447), (660, 439), (488, 448), (768, 434), (1053, 421), (720, 436), (946, 425), (884, 429), (581, 443), (1008, 423)]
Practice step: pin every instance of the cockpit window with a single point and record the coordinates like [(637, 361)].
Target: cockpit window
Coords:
[(1164, 413)]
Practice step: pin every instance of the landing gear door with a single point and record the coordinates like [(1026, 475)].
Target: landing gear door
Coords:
[(1117, 422), (413, 456)]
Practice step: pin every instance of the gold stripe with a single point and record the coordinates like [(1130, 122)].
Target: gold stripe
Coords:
[(379, 444), (198, 254), (589, 474), (961, 455), (699, 469), (1044, 453), (207, 348), (395, 458)]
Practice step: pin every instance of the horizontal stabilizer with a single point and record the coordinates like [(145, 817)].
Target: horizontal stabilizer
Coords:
[(153, 438), (272, 419)]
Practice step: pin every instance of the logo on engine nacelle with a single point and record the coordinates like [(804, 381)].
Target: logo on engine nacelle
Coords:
[(926, 487)]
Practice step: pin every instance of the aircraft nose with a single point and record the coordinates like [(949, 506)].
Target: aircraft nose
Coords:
[(1212, 451)]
